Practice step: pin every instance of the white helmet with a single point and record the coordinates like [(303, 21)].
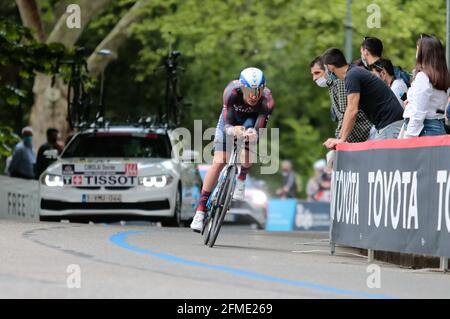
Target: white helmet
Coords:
[(252, 82)]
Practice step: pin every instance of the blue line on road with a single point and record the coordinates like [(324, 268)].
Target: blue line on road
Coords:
[(119, 239)]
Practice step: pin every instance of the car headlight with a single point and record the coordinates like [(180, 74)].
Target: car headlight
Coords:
[(157, 181), (52, 180), (259, 198)]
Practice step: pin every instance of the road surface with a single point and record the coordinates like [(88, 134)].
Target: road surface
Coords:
[(65, 260)]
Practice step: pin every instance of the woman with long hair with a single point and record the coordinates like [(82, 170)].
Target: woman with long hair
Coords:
[(427, 98)]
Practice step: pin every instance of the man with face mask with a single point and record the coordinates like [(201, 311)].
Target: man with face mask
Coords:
[(23, 159), (367, 93), (338, 97), (371, 51), (42, 162)]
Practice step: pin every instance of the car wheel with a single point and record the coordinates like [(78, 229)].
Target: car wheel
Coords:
[(175, 221)]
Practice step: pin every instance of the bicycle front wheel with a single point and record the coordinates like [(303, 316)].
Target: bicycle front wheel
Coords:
[(222, 206)]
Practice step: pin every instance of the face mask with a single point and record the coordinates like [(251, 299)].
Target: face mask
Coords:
[(365, 62), (331, 76), (322, 82), (28, 140)]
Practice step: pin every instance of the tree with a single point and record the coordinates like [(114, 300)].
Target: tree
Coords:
[(50, 105)]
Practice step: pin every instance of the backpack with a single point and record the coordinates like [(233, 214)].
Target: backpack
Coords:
[(400, 74)]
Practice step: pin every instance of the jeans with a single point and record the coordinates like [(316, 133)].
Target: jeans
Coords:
[(430, 127), (390, 131)]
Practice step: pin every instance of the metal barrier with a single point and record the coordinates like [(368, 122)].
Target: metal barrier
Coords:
[(19, 199)]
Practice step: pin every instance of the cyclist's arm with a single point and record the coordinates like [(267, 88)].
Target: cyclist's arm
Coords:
[(268, 105), (228, 111)]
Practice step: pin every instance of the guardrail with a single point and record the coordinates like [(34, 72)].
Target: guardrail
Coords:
[(393, 195), (19, 199)]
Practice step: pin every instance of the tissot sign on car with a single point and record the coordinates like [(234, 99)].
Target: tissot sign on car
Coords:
[(100, 174)]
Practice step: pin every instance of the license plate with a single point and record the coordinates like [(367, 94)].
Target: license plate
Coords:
[(98, 198)]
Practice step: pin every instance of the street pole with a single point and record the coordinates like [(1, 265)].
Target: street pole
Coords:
[(349, 32)]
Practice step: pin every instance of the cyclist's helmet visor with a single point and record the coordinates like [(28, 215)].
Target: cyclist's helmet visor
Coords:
[(252, 92)]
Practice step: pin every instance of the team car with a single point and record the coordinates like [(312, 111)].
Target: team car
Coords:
[(134, 172)]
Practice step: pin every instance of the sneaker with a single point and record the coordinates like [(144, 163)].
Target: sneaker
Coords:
[(197, 222), (239, 190)]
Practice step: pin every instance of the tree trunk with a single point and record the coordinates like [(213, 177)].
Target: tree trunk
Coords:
[(117, 37), (61, 33), (29, 13), (50, 108), (50, 104)]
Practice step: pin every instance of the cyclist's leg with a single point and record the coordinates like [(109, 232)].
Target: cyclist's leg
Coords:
[(221, 157), (247, 158)]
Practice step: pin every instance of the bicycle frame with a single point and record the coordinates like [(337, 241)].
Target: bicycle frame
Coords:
[(233, 161)]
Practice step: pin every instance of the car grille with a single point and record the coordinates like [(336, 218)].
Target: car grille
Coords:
[(110, 188), (60, 205)]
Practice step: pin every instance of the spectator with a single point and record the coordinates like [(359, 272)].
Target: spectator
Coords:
[(366, 92), (427, 98), (447, 118), (23, 159), (7, 163), (42, 162), (318, 187), (384, 69), (289, 189), (338, 97), (371, 51)]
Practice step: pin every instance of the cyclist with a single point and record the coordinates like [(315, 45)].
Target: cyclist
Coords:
[(247, 105)]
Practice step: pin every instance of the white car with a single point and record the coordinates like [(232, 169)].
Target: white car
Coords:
[(134, 172)]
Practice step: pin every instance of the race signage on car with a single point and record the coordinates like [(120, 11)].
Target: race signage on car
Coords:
[(128, 169), (100, 174)]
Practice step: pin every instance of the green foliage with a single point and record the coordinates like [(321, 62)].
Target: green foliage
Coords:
[(19, 50), (218, 38), (7, 141)]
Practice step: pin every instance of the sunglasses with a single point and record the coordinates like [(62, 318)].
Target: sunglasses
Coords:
[(252, 92)]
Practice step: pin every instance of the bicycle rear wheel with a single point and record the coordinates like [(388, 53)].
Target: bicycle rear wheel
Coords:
[(222, 205)]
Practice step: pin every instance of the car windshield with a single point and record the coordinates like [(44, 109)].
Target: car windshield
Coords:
[(122, 145)]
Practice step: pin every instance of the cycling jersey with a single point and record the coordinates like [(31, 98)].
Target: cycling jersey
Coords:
[(236, 112)]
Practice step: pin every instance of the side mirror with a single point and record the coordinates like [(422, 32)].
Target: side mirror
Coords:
[(51, 154), (190, 156)]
